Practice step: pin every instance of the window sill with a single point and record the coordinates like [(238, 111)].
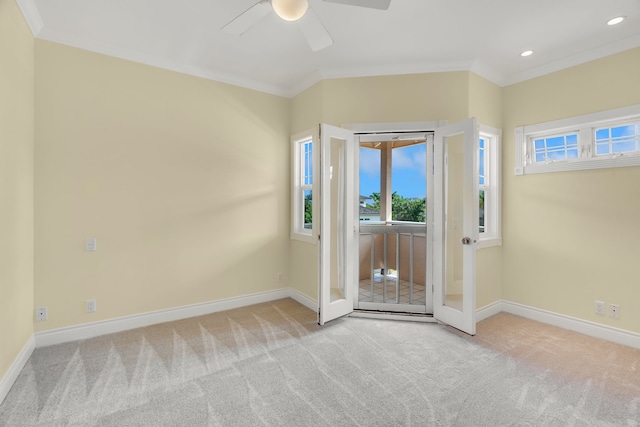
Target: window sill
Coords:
[(489, 243), (307, 238), (586, 164)]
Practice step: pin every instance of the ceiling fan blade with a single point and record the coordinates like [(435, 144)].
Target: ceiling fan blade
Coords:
[(248, 18), (316, 34), (372, 4)]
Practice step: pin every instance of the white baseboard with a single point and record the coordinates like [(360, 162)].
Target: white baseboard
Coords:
[(16, 367), (89, 330), (298, 296), (103, 327), (586, 327), (488, 311)]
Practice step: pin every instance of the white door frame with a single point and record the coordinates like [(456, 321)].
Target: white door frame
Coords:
[(406, 127)]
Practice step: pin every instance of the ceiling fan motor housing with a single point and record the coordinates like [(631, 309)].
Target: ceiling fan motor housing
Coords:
[(290, 10)]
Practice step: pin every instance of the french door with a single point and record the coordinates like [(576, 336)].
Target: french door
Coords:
[(456, 224), (338, 232), (452, 229)]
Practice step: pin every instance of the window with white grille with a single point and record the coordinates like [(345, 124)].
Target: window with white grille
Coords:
[(600, 140), (554, 148), (302, 201), (489, 186), (618, 139)]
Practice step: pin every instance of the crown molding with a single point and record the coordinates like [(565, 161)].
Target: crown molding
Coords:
[(397, 69), (31, 15), (574, 60), (154, 61), (484, 70), (33, 19), (378, 71), (305, 84)]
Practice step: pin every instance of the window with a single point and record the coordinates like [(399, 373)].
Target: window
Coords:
[(304, 165), (618, 139), (307, 182), (600, 140), (553, 148), (489, 186)]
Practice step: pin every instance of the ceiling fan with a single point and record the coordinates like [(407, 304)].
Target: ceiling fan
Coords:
[(293, 10)]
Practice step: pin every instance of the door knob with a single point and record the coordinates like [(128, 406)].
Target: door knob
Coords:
[(465, 240)]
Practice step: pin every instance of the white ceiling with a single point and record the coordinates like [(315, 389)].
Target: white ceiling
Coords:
[(412, 36)]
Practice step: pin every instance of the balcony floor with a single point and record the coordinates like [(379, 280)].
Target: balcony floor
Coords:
[(364, 293)]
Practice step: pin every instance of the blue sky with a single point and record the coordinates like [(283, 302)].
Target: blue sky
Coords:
[(409, 167)]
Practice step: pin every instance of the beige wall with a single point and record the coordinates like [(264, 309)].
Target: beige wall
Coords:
[(419, 97), (16, 184), (573, 237), (183, 181), (485, 103), (402, 98), (306, 114)]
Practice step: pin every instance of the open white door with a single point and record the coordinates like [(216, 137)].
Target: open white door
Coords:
[(456, 225), (338, 212)]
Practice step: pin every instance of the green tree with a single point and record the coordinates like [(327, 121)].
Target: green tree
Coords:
[(308, 211), (402, 208), (481, 199), (376, 201)]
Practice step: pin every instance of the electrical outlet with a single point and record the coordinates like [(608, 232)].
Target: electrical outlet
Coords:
[(90, 244), (614, 311), (91, 306), (41, 314), (599, 307), (279, 277)]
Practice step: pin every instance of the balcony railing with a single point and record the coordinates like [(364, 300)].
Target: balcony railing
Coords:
[(388, 251)]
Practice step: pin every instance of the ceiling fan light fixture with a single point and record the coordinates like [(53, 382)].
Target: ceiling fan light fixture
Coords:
[(290, 10)]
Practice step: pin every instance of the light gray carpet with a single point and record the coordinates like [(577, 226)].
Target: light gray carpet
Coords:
[(270, 364)]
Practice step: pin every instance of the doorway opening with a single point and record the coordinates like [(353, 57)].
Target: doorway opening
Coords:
[(450, 229), (394, 265)]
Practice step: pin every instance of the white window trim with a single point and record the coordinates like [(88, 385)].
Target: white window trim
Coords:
[(584, 125), (298, 232), (493, 222)]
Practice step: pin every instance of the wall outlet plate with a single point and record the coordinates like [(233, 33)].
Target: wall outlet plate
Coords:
[(614, 311), (599, 307), (90, 245), (91, 306), (41, 314)]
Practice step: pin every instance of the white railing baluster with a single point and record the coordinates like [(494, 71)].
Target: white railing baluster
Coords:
[(410, 230), (373, 267)]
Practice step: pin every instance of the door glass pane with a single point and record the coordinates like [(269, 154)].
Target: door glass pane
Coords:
[(336, 213), (454, 174)]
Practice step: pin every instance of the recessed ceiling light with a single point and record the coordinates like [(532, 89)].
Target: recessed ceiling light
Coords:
[(526, 53), (614, 21)]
